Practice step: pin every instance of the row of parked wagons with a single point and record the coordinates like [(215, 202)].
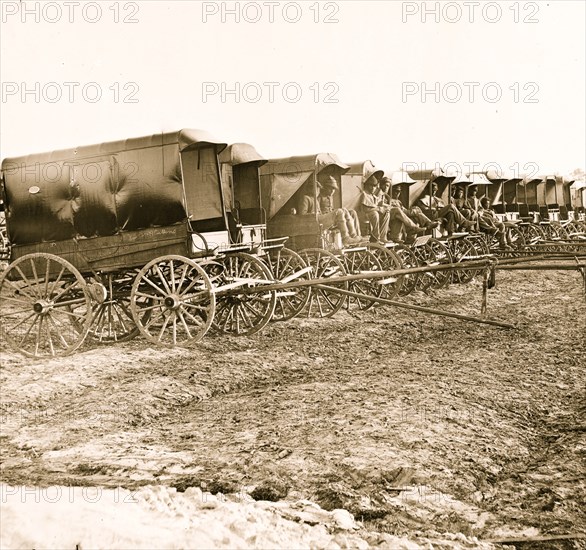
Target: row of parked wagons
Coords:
[(175, 234)]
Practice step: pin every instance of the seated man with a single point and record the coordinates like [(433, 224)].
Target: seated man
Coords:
[(489, 223), (464, 206), (449, 214), (346, 221), (473, 202), (414, 213), (375, 213), (401, 221)]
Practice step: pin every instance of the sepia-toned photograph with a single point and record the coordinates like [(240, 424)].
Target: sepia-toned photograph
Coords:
[(293, 274)]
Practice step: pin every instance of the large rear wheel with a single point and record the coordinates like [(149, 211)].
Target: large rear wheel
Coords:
[(389, 261), (409, 260), (172, 301), (244, 313), (363, 261), (322, 302), (289, 266)]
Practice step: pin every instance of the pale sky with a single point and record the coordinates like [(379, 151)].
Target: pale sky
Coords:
[(373, 58)]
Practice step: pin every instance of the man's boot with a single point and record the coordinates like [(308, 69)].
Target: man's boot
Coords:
[(503, 242)]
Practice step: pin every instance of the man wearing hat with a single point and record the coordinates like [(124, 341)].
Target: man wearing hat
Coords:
[(473, 202), (346, 221), (449, 213), (414, 213), (467, 209), (489, 223), (375, 213), (401, 221)]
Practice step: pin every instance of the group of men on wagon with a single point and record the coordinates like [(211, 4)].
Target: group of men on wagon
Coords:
[(388, 219)]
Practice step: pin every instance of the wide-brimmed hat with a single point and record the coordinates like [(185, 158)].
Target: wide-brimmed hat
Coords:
[(371, 181), (328, 182)]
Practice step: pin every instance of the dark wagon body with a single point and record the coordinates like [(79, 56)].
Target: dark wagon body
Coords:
[(119, 204)]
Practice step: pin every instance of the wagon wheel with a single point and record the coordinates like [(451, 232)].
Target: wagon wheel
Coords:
[(172, 302), (389, 261), (480, 244), (408, 259), (45, 306), (560, 231), (112, 316), (442, 256), (532, 233), (517, 238), (239, 313), (323, 303), (553, 236), (549, 231), (425, 256), (462, 252), (363, 262), (574, 229), (290, 302)]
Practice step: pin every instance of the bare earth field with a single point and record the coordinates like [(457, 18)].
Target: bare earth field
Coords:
[(431, 432)]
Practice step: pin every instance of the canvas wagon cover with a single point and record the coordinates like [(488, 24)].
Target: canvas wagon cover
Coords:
[(281, 178), (98, 190)]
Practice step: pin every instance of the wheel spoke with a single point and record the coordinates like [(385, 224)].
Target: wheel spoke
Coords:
[(193, 282), (39, 335), (16, 300), (245, 316), (58, 280), (37, 280), (47, 273), (173, 288), (328, 300), (149, 308), (162, 278), (117, 307), (228, 316), (50, 340), (151, 283), (69, 312), (183, 275), (148, 296), (18, 312), (180, 315), (18, 290), (23, 321), (98, 321), (321, 312), (63, 341), (34, 291), (65, 290)]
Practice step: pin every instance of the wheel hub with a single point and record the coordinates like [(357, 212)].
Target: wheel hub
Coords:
[(172, 302), (42, 307)]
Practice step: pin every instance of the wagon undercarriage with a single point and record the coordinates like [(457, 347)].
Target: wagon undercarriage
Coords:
[(48, 308)]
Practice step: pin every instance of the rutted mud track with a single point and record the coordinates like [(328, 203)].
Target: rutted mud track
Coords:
[(414, 423)]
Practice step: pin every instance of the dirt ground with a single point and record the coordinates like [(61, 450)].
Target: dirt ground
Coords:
[(420, 426)]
